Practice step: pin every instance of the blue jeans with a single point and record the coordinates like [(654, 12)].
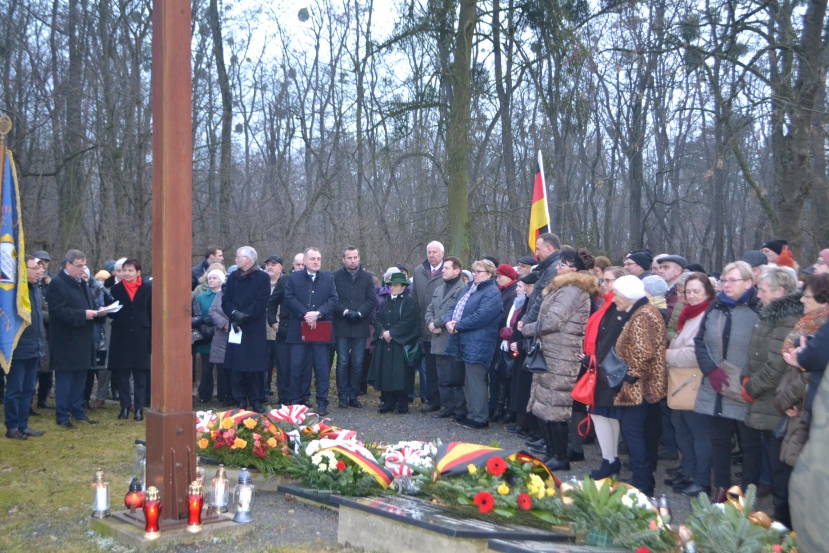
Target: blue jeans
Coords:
[(693, 437), (349, 350), (300, 391), (20, 388), (69, 387)]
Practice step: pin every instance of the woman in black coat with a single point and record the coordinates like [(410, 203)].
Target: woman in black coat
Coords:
[(129, 345)]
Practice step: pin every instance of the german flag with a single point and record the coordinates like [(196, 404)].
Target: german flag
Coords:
[(453, 459), (539, 213), (371, 466)]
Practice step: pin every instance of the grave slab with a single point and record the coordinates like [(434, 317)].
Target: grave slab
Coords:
[(524, 546), (309, 495), (409, 525)]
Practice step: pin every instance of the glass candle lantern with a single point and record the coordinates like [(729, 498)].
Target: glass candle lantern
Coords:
[(219, 491), (664, 509), (200, 473), (139, 462), (152, 513), (243, 497), (135, 496), (100, 495), (195, 503)]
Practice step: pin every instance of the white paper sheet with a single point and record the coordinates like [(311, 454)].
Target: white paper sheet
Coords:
[(234, 337)]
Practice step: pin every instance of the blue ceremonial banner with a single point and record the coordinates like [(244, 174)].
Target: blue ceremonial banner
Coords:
[(15, 307)]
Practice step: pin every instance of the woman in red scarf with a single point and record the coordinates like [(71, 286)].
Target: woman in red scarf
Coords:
[(129, 348), (693, 436)]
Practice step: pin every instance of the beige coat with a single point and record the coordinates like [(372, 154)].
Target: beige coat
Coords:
[(564, 311), (681, 353)]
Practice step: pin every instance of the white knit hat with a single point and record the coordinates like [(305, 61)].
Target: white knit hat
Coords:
[(218, 273), (630, 287)]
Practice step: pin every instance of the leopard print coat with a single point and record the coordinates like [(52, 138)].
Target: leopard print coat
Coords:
[(642, 346)]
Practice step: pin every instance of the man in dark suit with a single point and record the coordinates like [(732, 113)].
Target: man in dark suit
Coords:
[(71, 330), (311, 296), (355, 290), (244, 298)]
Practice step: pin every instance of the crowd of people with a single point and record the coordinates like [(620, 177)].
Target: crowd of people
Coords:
[(687, 363)]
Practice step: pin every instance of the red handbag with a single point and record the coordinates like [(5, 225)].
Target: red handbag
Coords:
[(584, 392)]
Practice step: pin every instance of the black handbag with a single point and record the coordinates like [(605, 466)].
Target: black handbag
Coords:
[(534, 361), (412, 353), (506, 364), (614, 368), (195, 337), (207, 331)]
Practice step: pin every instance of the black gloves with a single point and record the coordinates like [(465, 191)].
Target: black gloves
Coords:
[(354, 316), (238, 319)]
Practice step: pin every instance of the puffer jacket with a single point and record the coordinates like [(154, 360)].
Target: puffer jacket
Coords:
[(738, 324), (765, 358), (476, 335), (642, 346), (564, 311)]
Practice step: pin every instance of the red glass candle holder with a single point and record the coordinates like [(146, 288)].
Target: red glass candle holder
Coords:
[(195, 504), (152, 512), (135, 496)]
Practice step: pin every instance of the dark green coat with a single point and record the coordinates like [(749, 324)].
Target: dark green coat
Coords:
[(388, 366), (766, 366)]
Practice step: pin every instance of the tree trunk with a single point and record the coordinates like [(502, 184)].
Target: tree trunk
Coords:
[(457, 148), (225, 175)]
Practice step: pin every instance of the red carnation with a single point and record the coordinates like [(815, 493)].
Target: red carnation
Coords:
[(340, 466), (259, 452), (496, 466), (484, 501), (525, 501), (643, 549)]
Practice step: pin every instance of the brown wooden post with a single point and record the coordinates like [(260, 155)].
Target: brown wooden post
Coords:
[(171, 433)]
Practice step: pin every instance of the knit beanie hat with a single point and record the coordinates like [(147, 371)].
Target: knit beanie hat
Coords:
[(785, 260), (630, 287), (389, 272), (643, 258), (531, 278), (218, 273), (102, 274), (508, 271), (777, 246), (655, 286)]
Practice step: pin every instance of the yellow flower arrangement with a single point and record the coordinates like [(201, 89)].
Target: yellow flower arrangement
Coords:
[(250, 423), (203, 443), (239, 443), (472, 468), (503, 489), (227, 423), (271, 442)]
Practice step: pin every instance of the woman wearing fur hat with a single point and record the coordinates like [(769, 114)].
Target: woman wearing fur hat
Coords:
[(561, 321)]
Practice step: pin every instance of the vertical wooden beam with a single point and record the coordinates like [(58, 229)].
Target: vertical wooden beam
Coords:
[(171, 431)]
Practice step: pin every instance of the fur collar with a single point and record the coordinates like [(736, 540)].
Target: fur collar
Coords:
[(582, 280), (782, 307)]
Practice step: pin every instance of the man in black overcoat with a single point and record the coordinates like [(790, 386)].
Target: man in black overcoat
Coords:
[(71, 337), (355, 290), (244, 298), (311, 296)]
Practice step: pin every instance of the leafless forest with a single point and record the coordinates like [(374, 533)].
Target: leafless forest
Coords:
[(696, 127)]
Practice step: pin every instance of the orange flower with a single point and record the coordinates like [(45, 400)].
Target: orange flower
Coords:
[(203, 443), (250, 423), (271, 442), (210, 425), (227, 423), (239, 444)]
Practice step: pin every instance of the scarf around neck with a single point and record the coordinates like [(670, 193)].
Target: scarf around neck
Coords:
[(591, 331), (689, 312), (132, 287)]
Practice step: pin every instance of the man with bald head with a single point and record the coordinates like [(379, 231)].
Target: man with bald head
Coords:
[(426, 278)]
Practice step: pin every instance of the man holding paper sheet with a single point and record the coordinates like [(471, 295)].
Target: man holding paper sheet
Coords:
[(244, 298), (311, 296)]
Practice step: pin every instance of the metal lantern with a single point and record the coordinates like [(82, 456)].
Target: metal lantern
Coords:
[(135, 496), (100, 495), (195, 503), (243, 497), (139, 462), (200, 473), (219, 491), (152, 513)]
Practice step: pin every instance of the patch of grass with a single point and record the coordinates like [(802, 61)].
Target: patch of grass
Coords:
[(45, 482)]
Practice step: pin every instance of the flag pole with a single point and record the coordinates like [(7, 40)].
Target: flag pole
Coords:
[(544, 188), (5, 128)]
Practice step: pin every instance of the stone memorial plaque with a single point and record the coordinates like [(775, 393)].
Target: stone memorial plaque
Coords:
[(422, 514), (525, 546), (308, 494)]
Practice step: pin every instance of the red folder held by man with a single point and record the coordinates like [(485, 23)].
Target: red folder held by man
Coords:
[(321, 333)]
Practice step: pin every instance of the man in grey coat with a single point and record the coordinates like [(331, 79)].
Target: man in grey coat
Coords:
[(450, 371), (426, 279)]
